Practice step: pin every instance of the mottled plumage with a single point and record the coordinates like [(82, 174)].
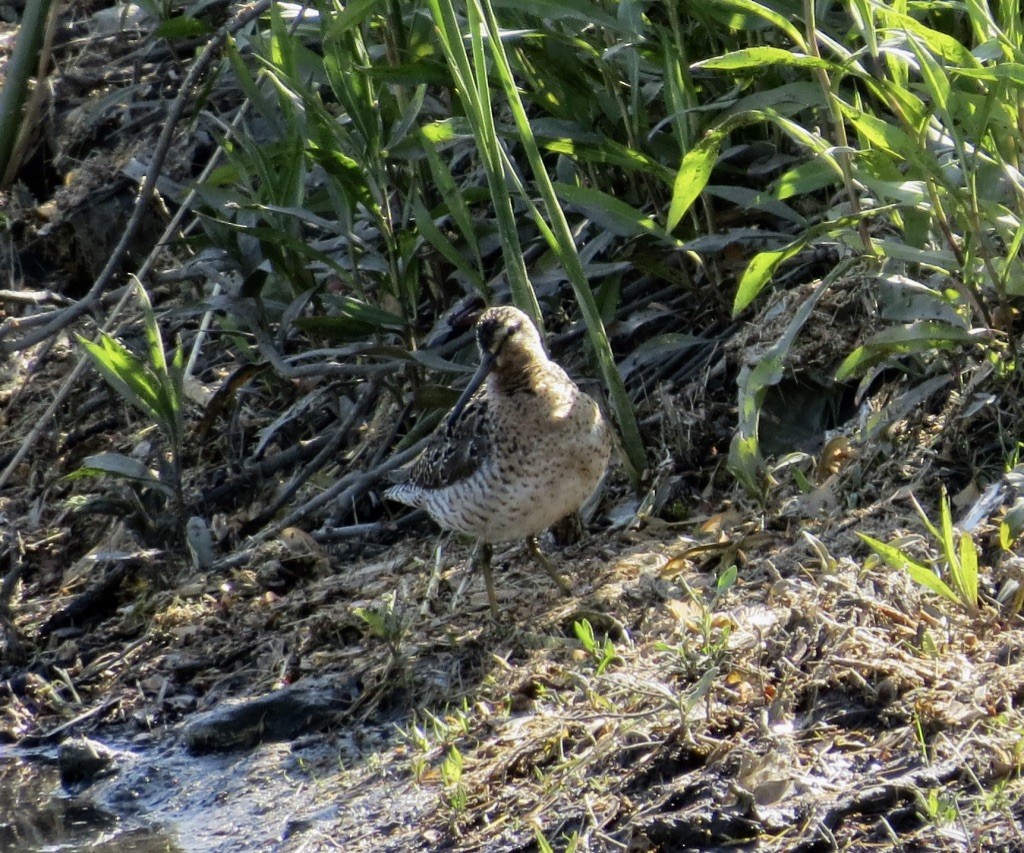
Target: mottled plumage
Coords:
[(522, 449)]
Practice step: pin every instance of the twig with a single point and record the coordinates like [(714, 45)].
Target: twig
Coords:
[(66, 316), (95, 294), (53, 734), (62, 394), (33, 297), (368, 395), (346, 490), (257, 472), (371, 529), (353, 531)]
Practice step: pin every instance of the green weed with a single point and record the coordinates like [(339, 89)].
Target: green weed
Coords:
[(152, 384), (958, 564), (601, 653)]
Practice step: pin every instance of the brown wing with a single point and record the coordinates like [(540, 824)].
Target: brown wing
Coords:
[(456, 449)]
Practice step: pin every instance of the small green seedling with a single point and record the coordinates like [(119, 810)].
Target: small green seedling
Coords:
[(602, 654), (153, 385), (959, 555)]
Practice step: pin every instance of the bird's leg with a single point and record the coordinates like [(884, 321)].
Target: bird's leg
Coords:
[(482, 558), (545, 563)]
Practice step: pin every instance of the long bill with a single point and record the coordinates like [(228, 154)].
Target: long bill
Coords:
[(486, 366)]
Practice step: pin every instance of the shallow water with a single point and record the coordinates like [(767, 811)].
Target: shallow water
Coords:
[(37, 814), (315, 793)]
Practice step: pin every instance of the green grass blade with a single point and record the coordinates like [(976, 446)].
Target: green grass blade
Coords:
[(760, 271), (693, 175), (610, 213), (919, 573), (967, 581), (454, 200), (472, 85), (126, 374), (565, 249), (946, 533), (123, 467), (923, 336), (433, 235), (767, 13), (168, 392), (757, 57)]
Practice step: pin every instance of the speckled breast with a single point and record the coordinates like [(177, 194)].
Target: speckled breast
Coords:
[(536, 474)]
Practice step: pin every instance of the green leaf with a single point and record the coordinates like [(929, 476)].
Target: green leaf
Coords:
[(946, 530), (942, 259), (805, 179), (968, 571), (931, 528), (745, 460), (893, 140), (451, 766), (353, 88), (759, 272), (182, 27), (934, 77), (447, 130), (766, 13), (616, 216), (454, 200), (433, 235), (423, 72), (727, 579), (919, 573), (125, 372), (797, 96), (923, 336), (350, 175), (121, 466), (437, 363), (750, 199), (351, 16), (1012, 72), (952, 52), (693, 175), (585, 634), (758, 57), (351, 319), (588, 148), (152, 386), (746, 464), (168, 396)]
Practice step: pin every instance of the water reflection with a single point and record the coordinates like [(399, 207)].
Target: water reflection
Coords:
[(36, 814)]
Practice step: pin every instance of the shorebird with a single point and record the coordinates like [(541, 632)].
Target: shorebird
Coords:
[(522, 448)]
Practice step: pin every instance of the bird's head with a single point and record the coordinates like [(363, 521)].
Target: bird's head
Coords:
[(509, 343)]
